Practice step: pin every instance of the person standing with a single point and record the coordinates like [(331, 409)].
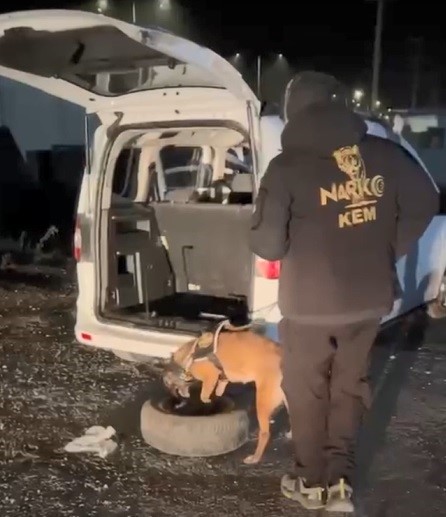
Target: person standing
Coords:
[(338, 207)]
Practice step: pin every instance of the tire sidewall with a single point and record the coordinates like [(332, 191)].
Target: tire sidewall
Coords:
[(194, 436)]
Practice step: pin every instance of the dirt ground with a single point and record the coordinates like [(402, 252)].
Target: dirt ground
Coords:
[(53, 389)]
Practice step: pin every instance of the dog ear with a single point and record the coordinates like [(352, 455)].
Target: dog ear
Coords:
[(206, 339)]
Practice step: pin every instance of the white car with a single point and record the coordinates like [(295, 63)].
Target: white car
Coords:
[(156, 265)]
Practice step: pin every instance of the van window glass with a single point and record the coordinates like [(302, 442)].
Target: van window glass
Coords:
[(125, 177), (180, 166), (238, 160)]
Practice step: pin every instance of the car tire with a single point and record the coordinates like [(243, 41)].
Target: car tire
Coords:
[(437, 308), (194, 436)]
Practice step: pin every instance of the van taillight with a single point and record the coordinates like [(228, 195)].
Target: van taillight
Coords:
[(269, 269), (77, 242)]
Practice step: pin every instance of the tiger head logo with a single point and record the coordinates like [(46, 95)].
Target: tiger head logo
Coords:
[(349, 160)]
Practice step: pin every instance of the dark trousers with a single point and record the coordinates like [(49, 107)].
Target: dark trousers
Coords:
[(325, 379)]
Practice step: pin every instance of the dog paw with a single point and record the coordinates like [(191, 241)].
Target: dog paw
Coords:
[(251, 460), (289, 435), (205, 400)]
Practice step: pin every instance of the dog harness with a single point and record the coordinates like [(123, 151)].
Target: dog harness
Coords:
[(209, 352)]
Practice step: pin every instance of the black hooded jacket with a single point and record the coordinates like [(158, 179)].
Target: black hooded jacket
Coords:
[(338, 207)]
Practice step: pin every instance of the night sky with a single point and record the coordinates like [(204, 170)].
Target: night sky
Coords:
[(314, 35)]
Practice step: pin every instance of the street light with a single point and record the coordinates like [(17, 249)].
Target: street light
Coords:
[(358, 95), (379, 24), (259, 75), (164, 5), (102, 6), (259, 72)]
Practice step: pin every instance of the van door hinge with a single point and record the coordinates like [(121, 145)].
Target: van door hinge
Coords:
[(110, 296)]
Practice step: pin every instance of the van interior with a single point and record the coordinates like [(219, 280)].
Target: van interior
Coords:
[(175, 214)]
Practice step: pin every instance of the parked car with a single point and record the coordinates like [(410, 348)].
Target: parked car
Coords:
[(156, 265)]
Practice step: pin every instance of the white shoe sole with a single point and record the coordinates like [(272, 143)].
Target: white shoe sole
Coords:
[(340, 507), (295, 495)]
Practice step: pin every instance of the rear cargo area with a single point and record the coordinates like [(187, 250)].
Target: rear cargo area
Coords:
[(179, 259)]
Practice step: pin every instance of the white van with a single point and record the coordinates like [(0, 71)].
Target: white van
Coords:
[(167, 195)]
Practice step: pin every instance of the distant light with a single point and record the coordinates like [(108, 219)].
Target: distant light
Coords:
[(280, 56), (102, 5), (358, 95), (377, 104), (164, 5), (238, 54)]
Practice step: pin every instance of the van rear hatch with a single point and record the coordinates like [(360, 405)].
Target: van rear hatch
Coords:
[(100, 63)]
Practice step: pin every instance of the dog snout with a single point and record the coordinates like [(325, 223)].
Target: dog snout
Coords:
[(169, 380), (176, 386)]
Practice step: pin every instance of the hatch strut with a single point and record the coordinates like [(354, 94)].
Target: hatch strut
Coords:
[(112, 127), (78, 53)]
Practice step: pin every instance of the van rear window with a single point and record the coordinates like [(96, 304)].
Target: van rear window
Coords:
[(125, 177), (180, 165)]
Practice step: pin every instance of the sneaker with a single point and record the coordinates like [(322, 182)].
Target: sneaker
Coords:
[(340, 498), (310, 497)]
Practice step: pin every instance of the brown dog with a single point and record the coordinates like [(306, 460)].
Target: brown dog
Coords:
[(235, 355)]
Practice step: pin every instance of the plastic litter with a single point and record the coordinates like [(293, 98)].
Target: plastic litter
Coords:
[(97, 439)]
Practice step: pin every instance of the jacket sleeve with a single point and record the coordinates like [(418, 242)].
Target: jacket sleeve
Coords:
[(418, 202), (269, 228)]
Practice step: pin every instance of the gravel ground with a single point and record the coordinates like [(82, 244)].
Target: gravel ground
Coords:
[(52, 389)]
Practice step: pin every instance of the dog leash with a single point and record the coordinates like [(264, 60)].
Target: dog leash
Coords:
[(220, 327), (226, 325), (212, 355)]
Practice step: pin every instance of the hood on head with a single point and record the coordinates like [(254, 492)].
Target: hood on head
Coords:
[(307, 88), (322, 128)]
